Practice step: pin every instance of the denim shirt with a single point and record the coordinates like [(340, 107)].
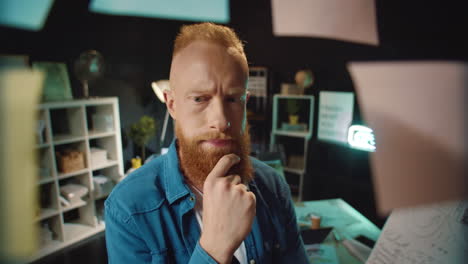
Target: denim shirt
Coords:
[(150, 218)]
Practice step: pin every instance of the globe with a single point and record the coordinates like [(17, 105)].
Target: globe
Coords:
[(88, 66)]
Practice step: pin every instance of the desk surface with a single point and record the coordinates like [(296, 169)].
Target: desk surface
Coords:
[(345, 220), (336, 213)]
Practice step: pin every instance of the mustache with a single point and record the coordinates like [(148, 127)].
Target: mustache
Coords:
[(213, 135)]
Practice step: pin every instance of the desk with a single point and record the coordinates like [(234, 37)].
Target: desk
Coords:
[(347, 222)]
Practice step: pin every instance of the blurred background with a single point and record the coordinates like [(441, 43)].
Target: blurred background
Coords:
[(137, 51)]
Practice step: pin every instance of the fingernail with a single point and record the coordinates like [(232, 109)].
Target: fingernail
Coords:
[(237, 158)]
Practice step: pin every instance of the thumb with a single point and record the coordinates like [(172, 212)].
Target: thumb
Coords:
[(223, 166)]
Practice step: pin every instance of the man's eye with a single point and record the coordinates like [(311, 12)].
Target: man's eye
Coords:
[(231, 99), (198, 99)]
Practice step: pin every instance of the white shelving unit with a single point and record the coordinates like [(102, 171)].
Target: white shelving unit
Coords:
[(279, 117), (69, 125)]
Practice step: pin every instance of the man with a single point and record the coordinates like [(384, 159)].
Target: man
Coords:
[(206, 200)]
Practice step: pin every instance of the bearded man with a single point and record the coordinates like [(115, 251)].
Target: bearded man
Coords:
[(206, 200)]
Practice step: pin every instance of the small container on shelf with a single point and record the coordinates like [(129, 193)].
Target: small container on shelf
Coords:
[(74, 193), (98, 157), (70, 160), (102, 186), (103, 123)]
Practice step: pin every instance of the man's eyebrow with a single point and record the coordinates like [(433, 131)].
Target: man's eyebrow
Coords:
[(240, 90), (200, 91)]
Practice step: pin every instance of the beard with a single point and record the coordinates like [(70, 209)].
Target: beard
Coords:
[(196, 162)]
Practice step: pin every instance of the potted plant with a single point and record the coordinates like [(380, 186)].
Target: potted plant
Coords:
[(142, 131), (292, 107)]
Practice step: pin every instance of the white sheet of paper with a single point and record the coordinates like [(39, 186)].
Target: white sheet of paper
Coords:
[(348, 20), (19, 96), (418, 113), (431, 234), (190, 10), (25, 14), (335, 116), (321, 254)]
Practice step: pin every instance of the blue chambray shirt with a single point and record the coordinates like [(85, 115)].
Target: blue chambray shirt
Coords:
[(150, 218)]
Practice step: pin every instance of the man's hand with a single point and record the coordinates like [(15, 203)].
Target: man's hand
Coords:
[(228, 211)]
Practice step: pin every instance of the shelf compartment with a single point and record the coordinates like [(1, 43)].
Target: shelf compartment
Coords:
[(79, 221), (100, 118), (103, 186), (99, 205), (105, 143), (111, 172), (77, 201), (68, 166), (46, 167), (48, 204), (50, 233), (67, 124)]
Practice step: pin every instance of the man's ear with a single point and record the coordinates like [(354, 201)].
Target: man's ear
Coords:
[(170, 102)]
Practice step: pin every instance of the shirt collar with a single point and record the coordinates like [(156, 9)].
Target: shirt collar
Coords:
[(175, 185)]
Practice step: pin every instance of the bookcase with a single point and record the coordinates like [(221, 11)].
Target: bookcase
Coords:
[(83, 126), (294, 138)]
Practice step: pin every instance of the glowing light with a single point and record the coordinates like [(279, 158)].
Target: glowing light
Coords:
[(159, 87), (361, 137)]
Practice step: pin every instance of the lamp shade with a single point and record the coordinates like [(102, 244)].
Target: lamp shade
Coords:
[(159, 87)]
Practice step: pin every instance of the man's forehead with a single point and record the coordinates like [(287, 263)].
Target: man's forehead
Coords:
[(202, 50), (200, 56)]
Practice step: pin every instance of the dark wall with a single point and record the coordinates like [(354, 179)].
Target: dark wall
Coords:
[(138, 51)]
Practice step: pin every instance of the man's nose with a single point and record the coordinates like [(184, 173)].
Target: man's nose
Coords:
[(218, 118)]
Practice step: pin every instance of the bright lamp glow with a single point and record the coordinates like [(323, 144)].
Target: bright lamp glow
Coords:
[(361, 137), (159, 87)]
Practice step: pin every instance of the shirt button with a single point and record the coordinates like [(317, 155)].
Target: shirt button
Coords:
[(277, 246), (252, 261), (192, 198)]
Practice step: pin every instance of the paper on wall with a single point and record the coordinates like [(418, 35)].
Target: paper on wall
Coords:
[(191, 10), (417, 112), (25, 14), (348, 20), (335, 116)]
